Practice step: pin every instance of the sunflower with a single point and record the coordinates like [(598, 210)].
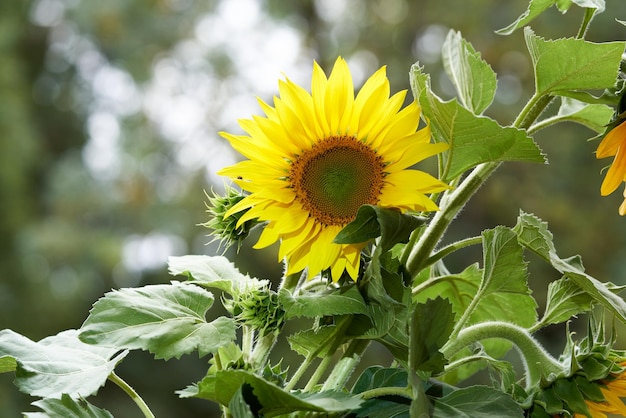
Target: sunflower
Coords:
[(315, 158), (612, 389), (614, 144)]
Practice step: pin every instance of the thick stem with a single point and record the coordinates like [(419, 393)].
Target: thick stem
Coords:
[(299, 372), (133, 395), (541, 367), (442, 219), (261, 351), (346, 365), (386, 391)]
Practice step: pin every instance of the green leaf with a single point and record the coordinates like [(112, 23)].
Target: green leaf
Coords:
[(223, 385), (313, 341), (7, 364), (477, 401), (473, 78), (338, 301), (473, 139), (597, 5), (534, 234), (535, 8), (505, 271), (593, 116), (572, 64), (67, 407), (166, 320), (373, 221), (567, 390), (565, 300), (431, 325), (377, 377), (238, 407), (212, 272), (59, 364), (502, 285)]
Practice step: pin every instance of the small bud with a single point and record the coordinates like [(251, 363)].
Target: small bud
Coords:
[(224, 228)]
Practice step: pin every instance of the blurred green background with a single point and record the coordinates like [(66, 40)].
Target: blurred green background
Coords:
[(109, 116)]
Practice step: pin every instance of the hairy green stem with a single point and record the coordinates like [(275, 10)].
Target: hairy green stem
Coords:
[(589, 15), (346, 365), (442, 219), (262, 349), (300, 371), (453, 201), (386, 391), (319, 371), (132, 394), (452, 248), (541, 367)]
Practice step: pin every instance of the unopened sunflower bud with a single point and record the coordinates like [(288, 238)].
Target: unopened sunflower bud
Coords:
[(227, 229), (258, 308)]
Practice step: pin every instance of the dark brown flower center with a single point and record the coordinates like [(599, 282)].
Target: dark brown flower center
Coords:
[(335, 177)]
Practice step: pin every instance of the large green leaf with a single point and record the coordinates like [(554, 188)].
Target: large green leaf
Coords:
[(67, 407), (167, 320), (502, 285), (477, 401), (431, 325), (473, 78), (504, 292), (371, 222), (212, 272), (59, 364), (572, 64), (274, 401), (534, 234), (336, 301), (473, 139)]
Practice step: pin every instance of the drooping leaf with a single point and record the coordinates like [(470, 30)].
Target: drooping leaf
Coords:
[(212, 272), (477, 401), (223, 385), (505, 272), (373, 221), (473, 139), (572, 64), (534, 234), (7, 364), (565, 300), (59, 364), (339, 301), (431, 325), (67, 407), (378, 377), (595, 116), (313, 341), (166, 320), (535, 8), (473, 78)]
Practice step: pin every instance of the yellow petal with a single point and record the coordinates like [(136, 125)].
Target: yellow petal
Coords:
[(616, 173), (612, 141)]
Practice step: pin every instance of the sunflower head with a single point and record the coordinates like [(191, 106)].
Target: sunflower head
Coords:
[(315, 158)]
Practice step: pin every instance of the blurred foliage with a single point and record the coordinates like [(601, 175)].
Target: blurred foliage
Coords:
[(108, 137)]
